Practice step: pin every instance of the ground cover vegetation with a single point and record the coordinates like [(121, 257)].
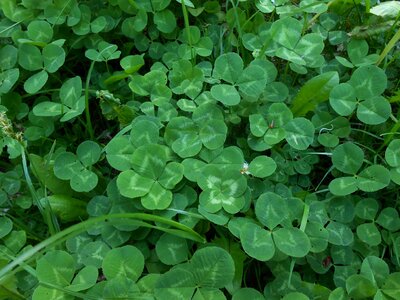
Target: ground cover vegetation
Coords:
[(162, 149)]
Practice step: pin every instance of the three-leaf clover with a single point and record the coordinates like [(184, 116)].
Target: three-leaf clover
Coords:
[(151, 177), (77, 168)]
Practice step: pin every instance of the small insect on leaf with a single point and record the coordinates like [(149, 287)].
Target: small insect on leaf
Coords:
[(327, 262)]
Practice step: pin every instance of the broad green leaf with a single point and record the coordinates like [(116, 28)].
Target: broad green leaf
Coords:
[(48, 109), (387, 9), (368, 81), (276, 92), (29, 57), (295, 296), (56, 267), (343, 186), (389, 219), (369, 234), (172, 250), (252, 81), (84, 181), (374, 111), (177, 283), (85, 279), (93, 253), (71, 90), (318, 236), (247, 293), (213, 134), (228, 67), (392, 285), (165, 21), (283, 36), (6, 226), (375, 269), (66, 208), (8, 57), (42, 292), (271, 209), (144, 132), (150, 160), (8, 78), (300, 133), (66, 166), (132, 63), (34, 83), (342, 98), (367, 209), (226, 94), (53, 57), (262, 166), (171, 175), (126, 261), (157, 197), (213, 267), (88, 153), (392, 153), (119, 151), (98, 24), (133, 185), (257, 242), (347, 158), (339, 234), (258, 125), (120, 287), (373, 178), (292, 241), (359, 287), (40, 31), (314, 92)]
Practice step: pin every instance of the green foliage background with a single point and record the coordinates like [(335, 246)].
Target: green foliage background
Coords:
[(162, 149)]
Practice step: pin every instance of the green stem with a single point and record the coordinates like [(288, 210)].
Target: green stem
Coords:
[(187, 27), (48, 216), (87, 111), (389, 47), (238, 27)]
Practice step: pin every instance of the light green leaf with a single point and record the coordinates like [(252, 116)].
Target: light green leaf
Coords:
[(56, 267), (165, 21), (300, 133), (374, 111), (85, 279), (257, 242), (48, 109), (34, 83), (373, 178), (262, 166), (126, 261), (314, 92), (292, 241), (132, 185), (53, 57), (347, 158), (226, 94), (359, 287), (369, 234), (271, 209), (157, 197), (228, 67), (342, 98), (368, 81)]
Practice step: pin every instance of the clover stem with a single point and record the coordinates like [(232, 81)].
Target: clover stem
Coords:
[(48, 216), (238, 27), (187, 27), (89, 127)]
